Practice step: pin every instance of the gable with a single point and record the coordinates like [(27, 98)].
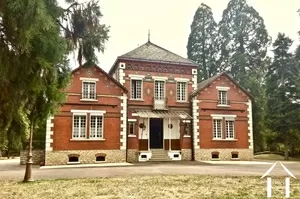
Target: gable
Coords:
[(208, 82), (96, 72)]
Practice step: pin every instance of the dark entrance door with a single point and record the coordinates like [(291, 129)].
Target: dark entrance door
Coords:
[(156, 133)]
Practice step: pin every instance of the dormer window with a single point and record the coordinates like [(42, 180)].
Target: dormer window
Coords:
[(223, 96), (89, 88)]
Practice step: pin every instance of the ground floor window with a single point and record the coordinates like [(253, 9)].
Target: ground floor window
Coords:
[(131, 128), (187, 127), (223, 128), (87, 125)]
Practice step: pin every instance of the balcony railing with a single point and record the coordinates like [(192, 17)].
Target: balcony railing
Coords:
[(160, 104)]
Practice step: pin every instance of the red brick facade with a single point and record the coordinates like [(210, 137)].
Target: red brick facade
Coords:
[(164, 111)]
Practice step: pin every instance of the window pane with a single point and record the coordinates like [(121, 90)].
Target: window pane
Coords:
[(89, 90), (230, 129), (136, 89), (96, 127), (217, 129), (159, 90), (79, 130), (181, 91), (223, 97), (131, 128)]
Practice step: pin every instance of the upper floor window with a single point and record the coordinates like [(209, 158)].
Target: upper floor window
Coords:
[(136, 88), (159, 90), (88, 90), (223, 96), (181, 91)]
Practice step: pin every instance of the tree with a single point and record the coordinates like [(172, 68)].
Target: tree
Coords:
[(35, 38), (283, 112), (202, 42), (244, 41)]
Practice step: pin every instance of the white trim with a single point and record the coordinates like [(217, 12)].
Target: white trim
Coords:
[(186, 136), (186, 121), (179, 79), (87, 139), (222, 88), (87, 79), (186, 91), (160, 78), (89, 100), (133, 76), (88, 111), (223, 105), (134, 114), (132, 120), (250, 124), (217, 116), (123, 123), (142, 87), (131, 136)]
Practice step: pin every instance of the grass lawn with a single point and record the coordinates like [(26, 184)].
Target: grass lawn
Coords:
[(145, 187)]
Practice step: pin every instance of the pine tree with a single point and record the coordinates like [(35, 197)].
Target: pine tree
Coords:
[(283, 112), (202, 42)]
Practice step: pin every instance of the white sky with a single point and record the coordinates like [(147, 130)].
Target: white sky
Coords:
[(169, 22)]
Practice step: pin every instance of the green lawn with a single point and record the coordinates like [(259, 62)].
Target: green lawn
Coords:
[(145, 187)]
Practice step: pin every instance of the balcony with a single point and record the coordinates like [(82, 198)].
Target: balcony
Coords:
[(160, 104)]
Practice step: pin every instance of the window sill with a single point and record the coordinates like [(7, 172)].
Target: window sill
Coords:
[(141, 100), (223, 105), (226, 140), (73, 162), (186, 136), (89, 100), (183, 102), (88, 140), (131, 136)]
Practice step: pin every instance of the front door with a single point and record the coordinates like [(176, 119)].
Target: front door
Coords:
[(156, 133)]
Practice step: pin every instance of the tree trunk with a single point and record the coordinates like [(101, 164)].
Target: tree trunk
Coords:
[(286, 148), (28, 171)]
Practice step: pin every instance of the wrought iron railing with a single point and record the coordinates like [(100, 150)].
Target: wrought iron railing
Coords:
[(160, 103)]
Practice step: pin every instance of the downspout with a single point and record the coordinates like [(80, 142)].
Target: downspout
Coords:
[(192, 133), (126, 155)]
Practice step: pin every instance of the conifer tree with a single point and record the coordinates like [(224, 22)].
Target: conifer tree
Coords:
[(202, 45)]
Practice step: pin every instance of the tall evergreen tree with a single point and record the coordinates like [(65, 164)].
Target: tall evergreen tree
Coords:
[(243, 46), (202, 46), (283, 112)]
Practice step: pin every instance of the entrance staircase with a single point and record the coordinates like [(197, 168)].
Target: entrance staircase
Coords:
[(159, 155)]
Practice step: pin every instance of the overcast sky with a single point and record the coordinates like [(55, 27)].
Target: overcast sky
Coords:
[(169, 23)]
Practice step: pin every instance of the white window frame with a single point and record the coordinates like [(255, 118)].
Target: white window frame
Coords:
[(131, 88), (95, 90), (134, 130), (215, 134), (164, 89), (224, 118), (73, 120), (220, 100), (180, 92), (227, 129), (102, 126)]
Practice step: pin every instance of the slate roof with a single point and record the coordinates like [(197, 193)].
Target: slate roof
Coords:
[(207, 82), (153, 52)]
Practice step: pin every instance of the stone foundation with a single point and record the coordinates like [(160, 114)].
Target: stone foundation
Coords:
[(132, 155), (224, 154), (38, 156), (186, 154), (85, 156)]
